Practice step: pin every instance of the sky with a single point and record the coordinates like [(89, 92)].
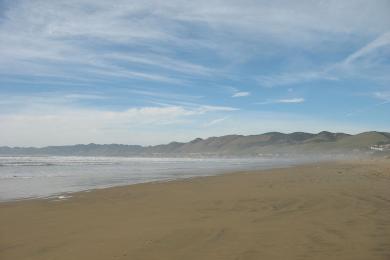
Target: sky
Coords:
[(151, 72)]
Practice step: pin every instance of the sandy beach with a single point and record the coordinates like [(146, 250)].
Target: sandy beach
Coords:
[(334, 210)]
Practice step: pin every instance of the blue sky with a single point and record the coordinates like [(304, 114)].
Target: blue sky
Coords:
[(150, 72)]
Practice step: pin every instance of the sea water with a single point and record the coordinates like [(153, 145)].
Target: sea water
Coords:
[(38, 177)]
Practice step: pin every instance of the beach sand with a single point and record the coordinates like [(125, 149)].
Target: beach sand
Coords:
[(334, 210)]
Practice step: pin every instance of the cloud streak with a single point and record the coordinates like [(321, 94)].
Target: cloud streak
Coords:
[(215, 121), (293, 78), (381, 41), (54, 122), (90, 36), (241, 94), (283, 101), (382, 95)]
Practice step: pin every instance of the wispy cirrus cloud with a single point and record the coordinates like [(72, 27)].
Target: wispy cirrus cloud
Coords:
[(85, 38), (163, 62), (215, 121), (282, 101), (286, 79), (64, 120), (241, 94), (98, 37), (382, 95), (367, 61), (381, 41)]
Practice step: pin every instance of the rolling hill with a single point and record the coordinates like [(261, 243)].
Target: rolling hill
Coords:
[(267, 144)]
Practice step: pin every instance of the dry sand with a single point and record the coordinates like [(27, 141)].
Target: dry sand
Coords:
[(318, 211)]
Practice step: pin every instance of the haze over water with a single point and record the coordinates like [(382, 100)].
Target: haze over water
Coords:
[(32, 177)]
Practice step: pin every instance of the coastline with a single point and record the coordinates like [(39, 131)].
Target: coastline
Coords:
[(68, 195), (326, 210), (53, 176)]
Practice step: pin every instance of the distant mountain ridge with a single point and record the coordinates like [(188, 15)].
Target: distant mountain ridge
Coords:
[(267, 144)]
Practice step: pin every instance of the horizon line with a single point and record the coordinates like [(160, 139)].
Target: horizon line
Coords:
[(196, 138)]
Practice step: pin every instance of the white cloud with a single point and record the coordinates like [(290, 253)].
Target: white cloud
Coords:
[(382, 95), (205, 109), (215, 121), (70, 36), (241, 94), (150, 125), (163, 62), (293, 78), (283, 101), (365, 62), (31, 102), (291, 100), (381, 41), (58, 118), (85, 39), (84, 96)]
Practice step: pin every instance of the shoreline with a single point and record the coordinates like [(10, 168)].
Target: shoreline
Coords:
[(71, 194), (216, 173), (221, 173), (326, 210)]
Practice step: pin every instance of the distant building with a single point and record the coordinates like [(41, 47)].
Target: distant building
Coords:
[(383, 147)]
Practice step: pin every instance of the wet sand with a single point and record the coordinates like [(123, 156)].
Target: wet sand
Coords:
[(338, 210)]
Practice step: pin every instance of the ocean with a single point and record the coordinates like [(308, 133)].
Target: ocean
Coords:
[(54, 176)]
